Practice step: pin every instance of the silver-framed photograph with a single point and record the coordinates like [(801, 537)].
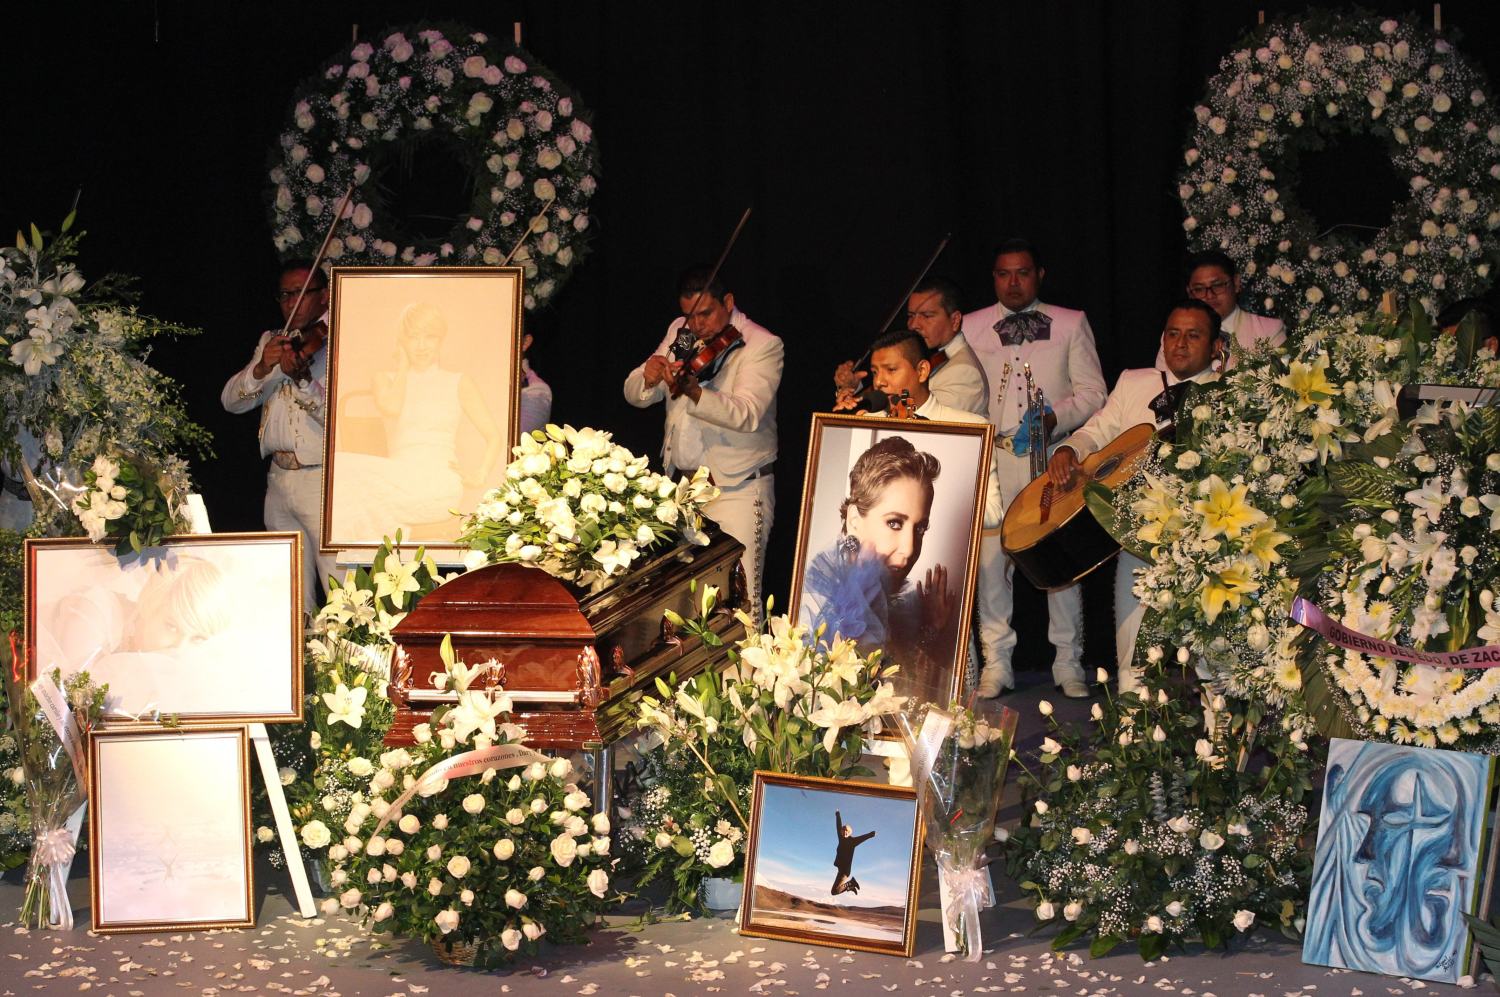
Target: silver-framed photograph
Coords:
[(424, 369), (833, 862), (888, 541), (169, 829), (204, 628)]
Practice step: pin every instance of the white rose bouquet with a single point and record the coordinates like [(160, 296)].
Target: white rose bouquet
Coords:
[(131, 501), (582, 508), (483, 852), (958, 761)]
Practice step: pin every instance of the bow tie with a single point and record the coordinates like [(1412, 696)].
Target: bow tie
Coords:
[(1164, 407), (1024, 327)]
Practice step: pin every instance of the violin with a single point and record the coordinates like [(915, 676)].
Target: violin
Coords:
[(307, 342), (900, 407)]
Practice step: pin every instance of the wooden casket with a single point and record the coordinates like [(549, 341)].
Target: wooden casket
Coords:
[(573, 663)]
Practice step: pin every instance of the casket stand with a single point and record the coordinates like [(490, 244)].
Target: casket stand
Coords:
[(574, 663)]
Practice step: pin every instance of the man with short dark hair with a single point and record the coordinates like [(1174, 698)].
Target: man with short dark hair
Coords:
[(724, 416), (1058, 345), (285, 379), (1213, 280), (1189, 342)]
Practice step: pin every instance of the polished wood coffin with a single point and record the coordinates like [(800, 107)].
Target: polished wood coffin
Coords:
[(573, 663)]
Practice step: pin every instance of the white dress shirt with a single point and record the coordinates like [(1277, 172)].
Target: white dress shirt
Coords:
[(1246, 330), (994, 506), (1065, 366), (960, 382), (731, 428), (1128, 405), (292, 414)]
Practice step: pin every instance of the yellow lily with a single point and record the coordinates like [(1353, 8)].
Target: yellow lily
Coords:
[(1224, 509), (1308, 383), (1158, 510), (1263, 541), (1226, 589)]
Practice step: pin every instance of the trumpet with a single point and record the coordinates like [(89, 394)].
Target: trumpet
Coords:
[(1038, 442)]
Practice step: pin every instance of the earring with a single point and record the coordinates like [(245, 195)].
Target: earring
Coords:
[(848, 546)]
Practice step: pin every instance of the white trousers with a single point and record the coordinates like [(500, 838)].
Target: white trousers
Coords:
[(995, 590), (294, 501), (1128, 616), (745, 512)]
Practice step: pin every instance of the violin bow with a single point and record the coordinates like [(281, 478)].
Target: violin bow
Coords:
[(338, 216), (921, 275), (718, 265), (530, 227)]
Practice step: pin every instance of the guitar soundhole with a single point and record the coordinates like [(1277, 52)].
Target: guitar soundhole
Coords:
[(1107, 467)]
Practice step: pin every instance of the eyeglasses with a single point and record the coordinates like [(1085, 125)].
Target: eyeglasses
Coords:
[(281, 296), (1211, 289)]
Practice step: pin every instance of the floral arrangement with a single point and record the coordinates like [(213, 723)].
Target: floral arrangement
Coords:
[(54, 774), (680, 826), (521, 134), (582, 508), (74, 384), (326, 762), (1415, 551), (1296, 83), (786, 702), (1154, 834), (958, 761), (132, 502), (494, 854)]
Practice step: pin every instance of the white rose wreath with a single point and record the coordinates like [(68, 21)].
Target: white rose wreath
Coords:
[(519, 132), (1297, 84)]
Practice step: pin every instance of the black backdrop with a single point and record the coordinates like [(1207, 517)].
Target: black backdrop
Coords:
[(860, 131)]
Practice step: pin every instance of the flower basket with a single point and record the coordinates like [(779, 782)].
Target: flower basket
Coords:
[(455, 953)]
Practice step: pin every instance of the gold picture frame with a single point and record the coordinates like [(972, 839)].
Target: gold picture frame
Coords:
[(785, 896), (206, 628), (155, 793), (955, 521), (415, 356)]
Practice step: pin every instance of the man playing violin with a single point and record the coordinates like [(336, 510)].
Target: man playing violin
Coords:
[(956, 378), (717, 373), (1189, 343), (285, 378)]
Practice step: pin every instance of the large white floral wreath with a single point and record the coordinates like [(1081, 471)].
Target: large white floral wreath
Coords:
[(1298, 83), (518, 131)]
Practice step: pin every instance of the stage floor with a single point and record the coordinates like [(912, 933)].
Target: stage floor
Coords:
[(289, 955)]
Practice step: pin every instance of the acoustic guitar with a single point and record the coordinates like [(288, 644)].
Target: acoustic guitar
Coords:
[(1050, 533)]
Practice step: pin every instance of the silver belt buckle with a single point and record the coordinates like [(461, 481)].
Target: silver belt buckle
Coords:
[(1007, 443)]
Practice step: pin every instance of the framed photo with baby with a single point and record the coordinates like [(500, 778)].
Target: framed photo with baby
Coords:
[(206, 629), (832, 862), (424, 369), (170, 853), (888, 542)]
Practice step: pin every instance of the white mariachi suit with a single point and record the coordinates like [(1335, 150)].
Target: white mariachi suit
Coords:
[(291, 432), (1065, 366), (1246, 330), (1128, 405), (960, 382), (731, 430)]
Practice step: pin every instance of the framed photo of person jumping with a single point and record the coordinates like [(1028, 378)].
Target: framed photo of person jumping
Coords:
[(424, 369), (832, 862), (888, 541), (205, 628)]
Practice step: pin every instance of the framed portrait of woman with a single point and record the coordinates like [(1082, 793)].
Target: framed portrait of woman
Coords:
[(423, 401), (888, 541), (207, 629)]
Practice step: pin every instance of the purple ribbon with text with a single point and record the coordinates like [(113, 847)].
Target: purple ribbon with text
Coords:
[(1312, 617)]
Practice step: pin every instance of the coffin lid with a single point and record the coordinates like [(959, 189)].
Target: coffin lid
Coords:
[(499, 600)]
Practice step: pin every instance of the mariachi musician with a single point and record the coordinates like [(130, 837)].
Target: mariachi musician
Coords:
[(1016, 334), (956, 379), (717, 373), (1189, 343)]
